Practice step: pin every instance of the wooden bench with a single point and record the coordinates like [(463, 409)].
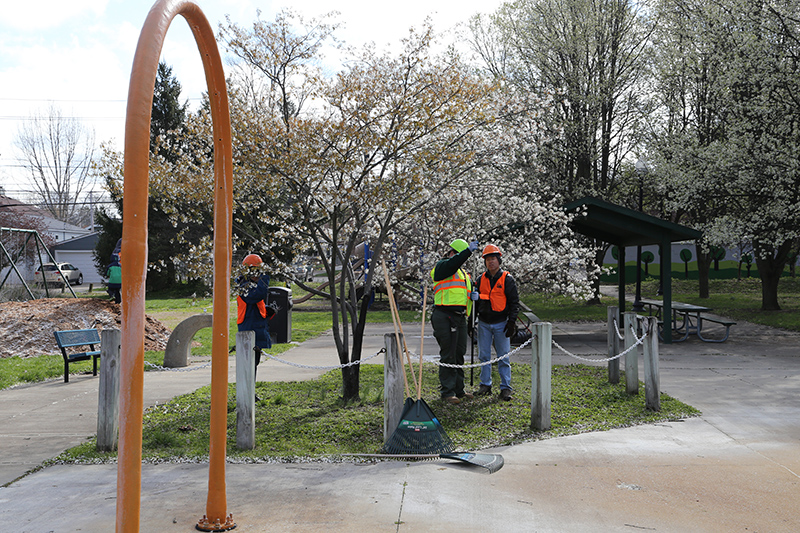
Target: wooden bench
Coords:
[(717, 320), (74, 338)]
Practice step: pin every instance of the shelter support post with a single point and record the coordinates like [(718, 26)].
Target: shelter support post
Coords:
[(665, 249), (621, 269)]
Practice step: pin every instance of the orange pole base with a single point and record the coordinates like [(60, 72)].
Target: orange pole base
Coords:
[(205, 525)]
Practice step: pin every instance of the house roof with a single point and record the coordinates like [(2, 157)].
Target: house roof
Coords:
[(87, 242), (53, 225), (621, 226)]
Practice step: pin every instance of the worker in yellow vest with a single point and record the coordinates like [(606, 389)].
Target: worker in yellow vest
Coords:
[(497, 308), (452, 291)]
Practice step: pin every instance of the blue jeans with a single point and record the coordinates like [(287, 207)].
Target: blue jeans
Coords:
[(488, 334)]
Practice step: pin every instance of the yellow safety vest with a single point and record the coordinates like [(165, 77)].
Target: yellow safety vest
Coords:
[(453, 290)]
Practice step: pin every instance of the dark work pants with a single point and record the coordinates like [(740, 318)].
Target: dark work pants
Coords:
[(450, 331)]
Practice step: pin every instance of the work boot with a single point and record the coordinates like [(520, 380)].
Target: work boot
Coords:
[(484, 390), (505, 395), (467, 395), (451, 399)]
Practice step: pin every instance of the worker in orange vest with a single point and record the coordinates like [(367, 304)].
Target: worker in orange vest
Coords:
[(497, 308), (252, 304)]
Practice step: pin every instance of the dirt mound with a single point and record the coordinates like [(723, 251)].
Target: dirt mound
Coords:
[(26, 328)]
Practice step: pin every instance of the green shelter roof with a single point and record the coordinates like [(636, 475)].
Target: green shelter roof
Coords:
[(621, 226)]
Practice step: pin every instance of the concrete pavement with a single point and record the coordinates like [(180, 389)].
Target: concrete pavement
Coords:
[(736, 468)]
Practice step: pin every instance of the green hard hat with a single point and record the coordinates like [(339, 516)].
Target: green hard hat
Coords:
[(459, 245)]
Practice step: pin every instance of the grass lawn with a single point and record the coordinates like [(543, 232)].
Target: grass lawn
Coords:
[(307, 419), (737, 299)]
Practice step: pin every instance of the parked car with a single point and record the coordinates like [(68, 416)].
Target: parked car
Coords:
[(52, 277)]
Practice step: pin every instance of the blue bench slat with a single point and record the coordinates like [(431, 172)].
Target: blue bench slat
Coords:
[(78, 337)]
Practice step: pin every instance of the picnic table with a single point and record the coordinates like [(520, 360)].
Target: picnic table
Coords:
[(687, 319)]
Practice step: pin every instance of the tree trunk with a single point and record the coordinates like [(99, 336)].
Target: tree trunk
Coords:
[(598, 259), (350, 383), (351, 375), (770, 265), (703, 268)]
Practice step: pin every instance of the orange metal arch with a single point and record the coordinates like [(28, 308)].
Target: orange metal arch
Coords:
[(134, 259)]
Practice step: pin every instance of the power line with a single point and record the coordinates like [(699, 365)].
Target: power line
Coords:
[(92, 101), (19, 117)]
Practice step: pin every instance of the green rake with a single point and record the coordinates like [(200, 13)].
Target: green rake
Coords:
[(419, 431), (420, 435)]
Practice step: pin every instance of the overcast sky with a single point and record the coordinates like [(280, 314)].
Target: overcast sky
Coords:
[(77, 54)]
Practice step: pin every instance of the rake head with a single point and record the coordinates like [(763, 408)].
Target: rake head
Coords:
[(419, 432)]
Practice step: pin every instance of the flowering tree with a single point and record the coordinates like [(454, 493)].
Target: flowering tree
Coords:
[(589, 59), (402, 151), (728, 147)]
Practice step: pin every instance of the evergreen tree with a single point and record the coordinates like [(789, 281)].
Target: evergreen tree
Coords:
[(167, 127)]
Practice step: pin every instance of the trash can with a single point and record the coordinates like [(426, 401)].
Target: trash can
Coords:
[(280, 326)]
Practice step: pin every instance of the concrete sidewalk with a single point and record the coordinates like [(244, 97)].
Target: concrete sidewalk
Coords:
[(733, 469)]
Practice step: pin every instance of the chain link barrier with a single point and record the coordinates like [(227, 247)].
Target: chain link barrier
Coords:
[(639, 341), (345, 365), (164, 368), (620, 336), (607, 359), (489, 362)]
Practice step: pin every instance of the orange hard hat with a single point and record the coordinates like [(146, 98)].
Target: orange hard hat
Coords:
[(252, 260), (491, 249)]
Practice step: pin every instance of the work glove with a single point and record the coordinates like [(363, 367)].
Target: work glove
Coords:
[(270, 312), (474, 245), (474, 295), (510, 329)]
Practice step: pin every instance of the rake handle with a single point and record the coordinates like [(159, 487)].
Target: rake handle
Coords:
[(422, 338)]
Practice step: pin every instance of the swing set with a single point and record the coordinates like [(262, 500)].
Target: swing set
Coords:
[(13, 259)]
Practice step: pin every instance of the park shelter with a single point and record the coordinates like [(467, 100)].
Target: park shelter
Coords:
[(623, 227)]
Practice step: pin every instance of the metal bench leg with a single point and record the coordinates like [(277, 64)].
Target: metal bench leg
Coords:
[(704, 339)]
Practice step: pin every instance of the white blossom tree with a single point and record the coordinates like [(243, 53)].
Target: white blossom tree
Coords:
[(728, 143), (402, 151)]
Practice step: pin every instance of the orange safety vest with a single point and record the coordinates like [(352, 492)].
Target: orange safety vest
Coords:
[(241, 309), (497, 294)]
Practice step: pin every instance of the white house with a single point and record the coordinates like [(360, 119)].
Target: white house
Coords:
[(79, 252), (74, 244)]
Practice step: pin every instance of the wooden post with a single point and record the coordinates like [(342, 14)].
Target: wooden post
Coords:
[(540, 375), (245, 390), (108, 395), (393, 388), (613, 344), (632, 357), (652, 381)]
